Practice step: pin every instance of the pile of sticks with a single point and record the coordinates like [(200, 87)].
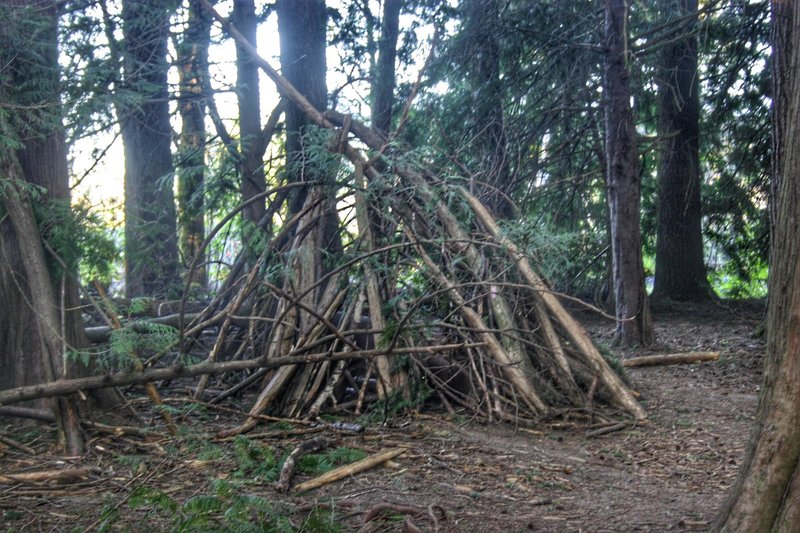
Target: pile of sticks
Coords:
[(426, 286)]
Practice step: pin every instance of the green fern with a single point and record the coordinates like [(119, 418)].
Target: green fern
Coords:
[(155, 500), (81, 240), (126, 342), (395, 404), (138, 305), (254, 460), (316, 464), (224, 508), (109, 515), (344, 455), (321, 521)]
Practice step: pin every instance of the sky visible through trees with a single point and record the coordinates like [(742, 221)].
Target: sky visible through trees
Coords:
[(102, 179)]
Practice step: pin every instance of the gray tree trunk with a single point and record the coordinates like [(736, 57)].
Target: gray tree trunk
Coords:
[(301, 24), (634, 326), (45, 322), (483, 72)]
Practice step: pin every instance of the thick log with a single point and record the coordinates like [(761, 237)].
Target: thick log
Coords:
[(67, 386), (8, 441), (27, 412), (373, 292), (670, 359)]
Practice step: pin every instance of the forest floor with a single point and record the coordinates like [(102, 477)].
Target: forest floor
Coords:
[(671, 473)]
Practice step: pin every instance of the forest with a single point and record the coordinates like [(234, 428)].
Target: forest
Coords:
[(399, 265)]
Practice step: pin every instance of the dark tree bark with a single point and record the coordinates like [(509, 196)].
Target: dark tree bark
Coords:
[(483, 72), (301, 24), (680, 269), (45, 321), (384, 83), (766, 496), (193, 72), (251, 165), (634, 326), (151, 244)]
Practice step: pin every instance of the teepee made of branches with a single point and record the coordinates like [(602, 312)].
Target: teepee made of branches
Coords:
[(423, 290)]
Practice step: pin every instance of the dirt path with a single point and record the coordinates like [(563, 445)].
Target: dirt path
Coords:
[(670, 474)]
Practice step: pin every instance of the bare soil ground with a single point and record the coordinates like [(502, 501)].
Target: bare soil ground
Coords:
[(456, 475)]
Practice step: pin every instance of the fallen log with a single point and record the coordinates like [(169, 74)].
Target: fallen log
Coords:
[(98, 334), (68, 386), (351, 469), (670, 359), (27, 412), (46, 475)]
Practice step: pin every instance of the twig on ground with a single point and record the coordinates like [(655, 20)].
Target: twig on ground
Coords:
[(607, 429), (14, 444)]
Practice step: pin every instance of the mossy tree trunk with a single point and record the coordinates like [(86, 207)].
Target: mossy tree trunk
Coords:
[(41, 289), (482, 28)]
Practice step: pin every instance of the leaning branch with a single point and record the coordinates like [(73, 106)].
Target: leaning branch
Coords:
[(68, 386)]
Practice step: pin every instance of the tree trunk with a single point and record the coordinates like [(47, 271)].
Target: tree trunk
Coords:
[(46, 320), (634, 326), (483, 72), (301, 24), (151, 244), (251, 166), (680, 269), (384, 83), (766, 496), (193, 78)]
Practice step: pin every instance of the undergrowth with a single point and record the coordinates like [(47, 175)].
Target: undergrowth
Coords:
[(225, 507), (233, 504)]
